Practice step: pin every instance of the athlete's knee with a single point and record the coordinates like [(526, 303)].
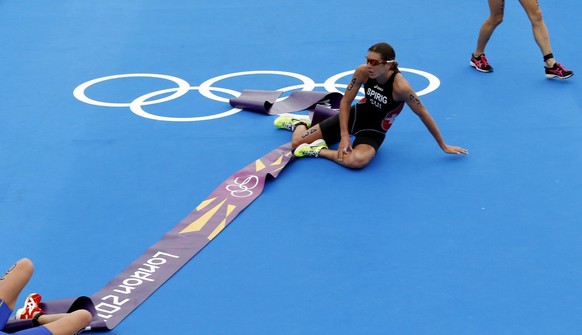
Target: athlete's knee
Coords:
[(25, 265), (357, 165), (536, 17), (360, 164), (496, 19), (82, 316), (359, 160)]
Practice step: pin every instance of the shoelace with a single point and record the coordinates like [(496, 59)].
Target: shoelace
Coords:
[(559, 70), (30, 305), (562, 68)]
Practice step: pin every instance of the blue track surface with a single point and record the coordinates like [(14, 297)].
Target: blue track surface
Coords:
[(417, 243)]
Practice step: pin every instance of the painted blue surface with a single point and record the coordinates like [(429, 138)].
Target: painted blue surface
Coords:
[(417, 243)]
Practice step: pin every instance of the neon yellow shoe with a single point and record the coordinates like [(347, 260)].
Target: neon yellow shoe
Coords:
[(290, 121), (310, 150)]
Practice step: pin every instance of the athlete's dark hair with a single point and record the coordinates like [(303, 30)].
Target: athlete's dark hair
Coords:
[(386, 51)]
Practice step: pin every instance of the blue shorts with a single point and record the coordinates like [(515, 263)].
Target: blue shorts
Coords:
[(5, 315)]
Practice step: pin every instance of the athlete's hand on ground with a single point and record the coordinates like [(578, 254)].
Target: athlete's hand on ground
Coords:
[(451, 149)]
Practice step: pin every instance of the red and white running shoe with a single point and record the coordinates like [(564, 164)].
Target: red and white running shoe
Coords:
[(31, 307)]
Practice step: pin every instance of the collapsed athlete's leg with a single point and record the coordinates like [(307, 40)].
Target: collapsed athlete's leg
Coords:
[(55, 324), (496, 11), (14, 280), (540, 31), (66, 324), (12, 283)]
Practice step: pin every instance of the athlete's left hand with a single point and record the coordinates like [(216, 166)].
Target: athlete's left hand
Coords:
[(453, 150)]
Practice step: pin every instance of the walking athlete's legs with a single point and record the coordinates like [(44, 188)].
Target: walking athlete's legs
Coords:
[(496, 11), (540, 31)]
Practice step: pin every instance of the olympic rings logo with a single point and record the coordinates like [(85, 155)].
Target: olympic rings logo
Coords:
[(242, 189), (206, 89)]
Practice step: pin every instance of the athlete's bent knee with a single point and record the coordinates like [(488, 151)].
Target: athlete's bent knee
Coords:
[(25, 264), (359, 160), (82, 316), (496, 19)]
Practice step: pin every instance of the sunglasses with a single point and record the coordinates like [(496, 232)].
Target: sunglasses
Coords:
[(375, 62)]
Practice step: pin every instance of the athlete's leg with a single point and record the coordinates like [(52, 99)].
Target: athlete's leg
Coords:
[(496, 11), (59, 324), (540, 31), (14, 280), (66, 324), (358, 158), (302, 134)]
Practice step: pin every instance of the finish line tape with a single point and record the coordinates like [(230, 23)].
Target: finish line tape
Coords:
[(145, 275)]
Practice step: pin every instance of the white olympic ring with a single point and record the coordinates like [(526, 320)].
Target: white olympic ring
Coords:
[(206, 88), (433, 81), (136, 106), (79, 92), (308, 83)]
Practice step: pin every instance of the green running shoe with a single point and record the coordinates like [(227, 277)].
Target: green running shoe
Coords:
[(310, 150), (290, 121)]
